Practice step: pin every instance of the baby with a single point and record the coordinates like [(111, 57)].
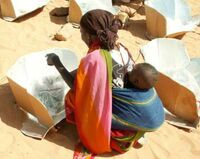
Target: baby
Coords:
[(143, 76), (137, 105)]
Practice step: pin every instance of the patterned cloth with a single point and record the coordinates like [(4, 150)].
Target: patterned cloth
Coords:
[(91, 102), (90, 105), (123, 140), (135, 109), (134, 112)]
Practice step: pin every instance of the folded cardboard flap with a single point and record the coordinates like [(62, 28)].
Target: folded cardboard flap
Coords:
[(13, 9), (168, 18), (7, 9), (177, 86), (25, 74), (177, 99), (21, 96), (173, 120), (77, 8), (75, 13), (155, 22), (32, 128)]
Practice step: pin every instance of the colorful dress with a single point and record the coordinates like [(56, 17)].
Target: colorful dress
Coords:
[(91, 101), (101, 123), (137, 110)]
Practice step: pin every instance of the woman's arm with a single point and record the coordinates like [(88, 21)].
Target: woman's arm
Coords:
[(53, 59)]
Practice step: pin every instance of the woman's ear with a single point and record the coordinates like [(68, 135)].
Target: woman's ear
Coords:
[(85, 37)]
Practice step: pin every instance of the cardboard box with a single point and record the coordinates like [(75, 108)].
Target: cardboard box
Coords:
[(31, 73), (13, 9), (168, 18), (77, 8)]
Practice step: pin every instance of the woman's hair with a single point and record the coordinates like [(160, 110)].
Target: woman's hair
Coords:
[(103, 25)]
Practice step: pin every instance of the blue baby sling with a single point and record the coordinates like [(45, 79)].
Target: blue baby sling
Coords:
[(135, 109)]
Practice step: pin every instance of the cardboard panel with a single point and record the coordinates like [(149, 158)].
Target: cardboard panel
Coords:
[(21, 96), (7, 9), (77, 8), (177, 86), (13, 9), (177, 99), (155, 22), (24, 77), (41, 112), (75, 13), (168, 18)]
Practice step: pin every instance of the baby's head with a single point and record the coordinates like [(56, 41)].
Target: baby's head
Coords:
[(143, 76)]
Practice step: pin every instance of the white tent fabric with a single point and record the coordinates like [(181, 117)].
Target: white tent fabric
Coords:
[(13, 9), (168, 17)]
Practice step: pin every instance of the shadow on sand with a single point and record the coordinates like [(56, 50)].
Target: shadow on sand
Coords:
[(28, 16)]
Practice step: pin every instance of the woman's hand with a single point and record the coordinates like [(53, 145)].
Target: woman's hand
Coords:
[(52, 59)]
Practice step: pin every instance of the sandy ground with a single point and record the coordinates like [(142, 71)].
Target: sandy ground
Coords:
[(34, 32)]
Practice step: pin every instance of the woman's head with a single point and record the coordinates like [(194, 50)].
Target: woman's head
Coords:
[(100, 25), (143, 76)]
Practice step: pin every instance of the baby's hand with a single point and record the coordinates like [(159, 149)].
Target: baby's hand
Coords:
[(52, 59)]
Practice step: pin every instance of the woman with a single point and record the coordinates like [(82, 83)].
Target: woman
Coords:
[(89, 103)]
